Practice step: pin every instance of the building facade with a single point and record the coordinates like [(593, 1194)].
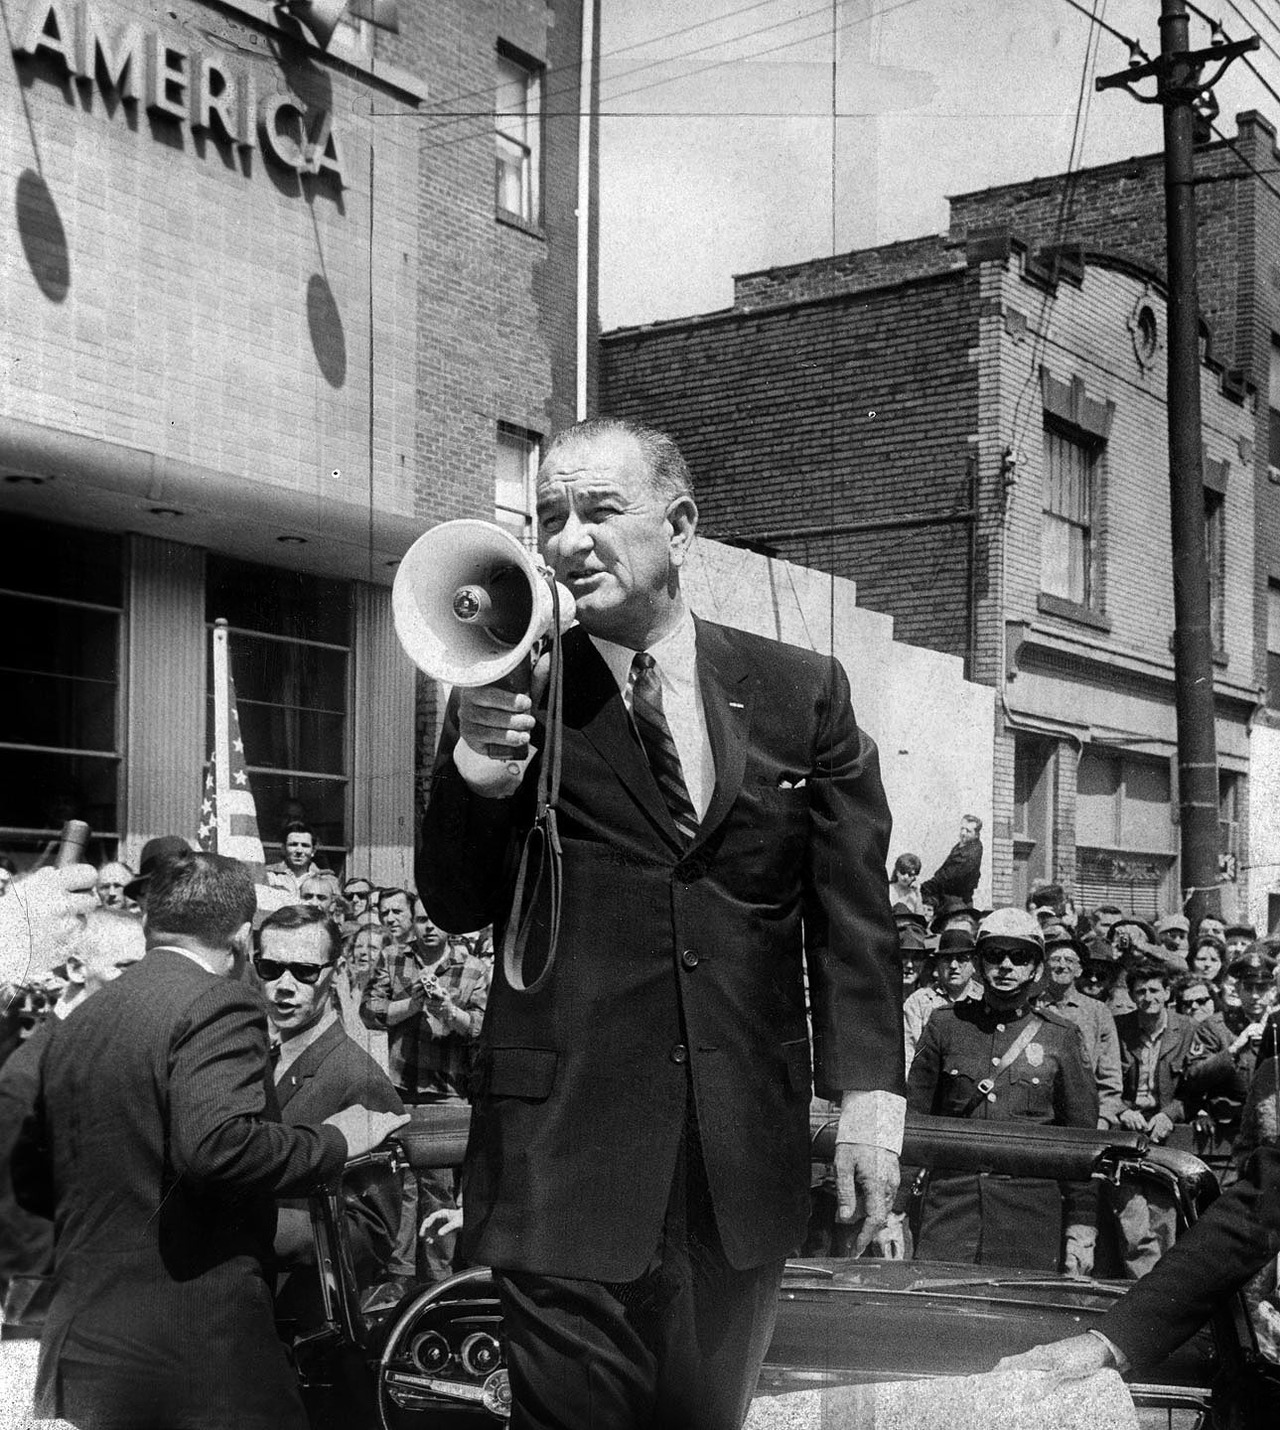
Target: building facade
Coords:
[(977, 436), (271, 308)]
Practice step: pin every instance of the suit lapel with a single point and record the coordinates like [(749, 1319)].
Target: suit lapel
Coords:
[(308, 1064), (727, 694), (593, 707)]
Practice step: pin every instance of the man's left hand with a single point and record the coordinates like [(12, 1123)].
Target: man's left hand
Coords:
[(1160, 1126), (866, 1182)]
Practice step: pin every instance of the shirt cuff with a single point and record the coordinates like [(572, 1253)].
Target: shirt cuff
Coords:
[(1118, 1357), (878, 1118), (489, 778)]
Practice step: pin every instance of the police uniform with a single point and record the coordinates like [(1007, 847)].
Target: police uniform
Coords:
[(962, 1069)]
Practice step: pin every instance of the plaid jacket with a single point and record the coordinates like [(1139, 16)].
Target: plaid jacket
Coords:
[(428, 1057)]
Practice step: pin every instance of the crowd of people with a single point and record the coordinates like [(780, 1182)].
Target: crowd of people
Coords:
[(1097, 1019)]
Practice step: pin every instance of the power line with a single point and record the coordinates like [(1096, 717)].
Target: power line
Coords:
[(1133, 46)]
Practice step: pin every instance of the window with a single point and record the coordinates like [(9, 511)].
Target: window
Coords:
[(1215, 551), (515, 468), (1273, 644), (517, 107), (290, 642), (61, 603), (1067, 538), (1273, 402), (1033, 808), (1229, 814), (1124, 830)]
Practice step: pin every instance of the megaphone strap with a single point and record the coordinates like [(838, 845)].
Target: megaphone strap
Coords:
[(543, 838)]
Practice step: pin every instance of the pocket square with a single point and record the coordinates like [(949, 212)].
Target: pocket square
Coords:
[(792, 784)]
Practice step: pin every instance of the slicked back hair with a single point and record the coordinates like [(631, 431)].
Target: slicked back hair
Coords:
[(208, 896), (669, 475), (300, 916)]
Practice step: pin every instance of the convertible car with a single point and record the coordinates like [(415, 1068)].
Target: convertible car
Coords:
[(436, 1359)]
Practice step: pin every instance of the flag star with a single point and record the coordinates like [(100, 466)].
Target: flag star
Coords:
[(241, 778), (206, 807), (238, 746)]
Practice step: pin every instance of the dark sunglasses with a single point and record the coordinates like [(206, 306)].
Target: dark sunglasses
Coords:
[(1194, 1002), (1018, 955), (270, 969)]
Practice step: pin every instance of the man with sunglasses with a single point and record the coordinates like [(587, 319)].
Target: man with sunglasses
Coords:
[(1001, 1059), (319, 1071)]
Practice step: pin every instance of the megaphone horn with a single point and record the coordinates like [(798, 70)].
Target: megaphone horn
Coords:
[(469, 603)]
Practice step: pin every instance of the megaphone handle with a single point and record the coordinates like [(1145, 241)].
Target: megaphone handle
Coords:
[(521, 681)]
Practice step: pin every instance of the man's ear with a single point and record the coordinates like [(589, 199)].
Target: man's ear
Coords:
[(76, 972), (682, 516)]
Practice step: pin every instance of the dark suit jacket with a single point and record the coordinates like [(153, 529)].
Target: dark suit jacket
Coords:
[(333, 1073), (156, 1145), (26, 1240), (958, 874), (680, 972)]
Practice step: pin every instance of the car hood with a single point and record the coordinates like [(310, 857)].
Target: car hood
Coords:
[(842, 1321)]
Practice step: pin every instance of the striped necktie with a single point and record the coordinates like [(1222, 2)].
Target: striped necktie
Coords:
[(659, 746)]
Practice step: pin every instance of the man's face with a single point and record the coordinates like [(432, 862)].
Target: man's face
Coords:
[(1064, 967), (425, 931), (109, 949), (912, 963), (316, 893), (1008, 967), (397, 916), (1211, 924), (1105, 921), (1175, 940), (110, 886), (968, 830), (612, 540), (298, 851), (1150, 997), (1255, 995), (1195, 1001), (295, 1003), (357, 893), (1237, 944), (955, 969)]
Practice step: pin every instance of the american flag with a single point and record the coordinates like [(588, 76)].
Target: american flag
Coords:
[(228, 815)]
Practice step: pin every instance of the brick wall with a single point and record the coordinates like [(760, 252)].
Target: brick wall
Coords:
[(843, 410), (847, 272)]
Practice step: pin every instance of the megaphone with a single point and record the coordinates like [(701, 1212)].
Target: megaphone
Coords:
[(319, 17), (469, 602)]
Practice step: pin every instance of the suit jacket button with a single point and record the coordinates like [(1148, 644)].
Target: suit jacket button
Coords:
[(689, 958), (679, 1054)]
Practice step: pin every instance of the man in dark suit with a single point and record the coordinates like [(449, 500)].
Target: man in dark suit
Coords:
[(959, 872), (157, 1149), (638, 1167)]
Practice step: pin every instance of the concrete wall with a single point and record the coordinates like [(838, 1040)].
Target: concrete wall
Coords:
[(934, 728)]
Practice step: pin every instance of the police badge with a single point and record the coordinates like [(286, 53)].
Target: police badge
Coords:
[(1034, 1054)]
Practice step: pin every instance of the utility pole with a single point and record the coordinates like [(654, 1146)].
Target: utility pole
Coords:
[(1182, 92)]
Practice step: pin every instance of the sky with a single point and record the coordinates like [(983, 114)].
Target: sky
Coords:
[(720, 154)]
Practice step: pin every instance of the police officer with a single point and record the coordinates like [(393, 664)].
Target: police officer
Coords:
[(1002, 1059)]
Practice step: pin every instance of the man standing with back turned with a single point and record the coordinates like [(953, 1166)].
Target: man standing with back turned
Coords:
[(638, 1167), (157, 1142)]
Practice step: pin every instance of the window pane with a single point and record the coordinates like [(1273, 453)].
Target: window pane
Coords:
[(1146, 821), (62, 561), (1273, 386), (321, 803), (44, 791), (1097, 788), (510, 177), (1055, 558), (286, 603)]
